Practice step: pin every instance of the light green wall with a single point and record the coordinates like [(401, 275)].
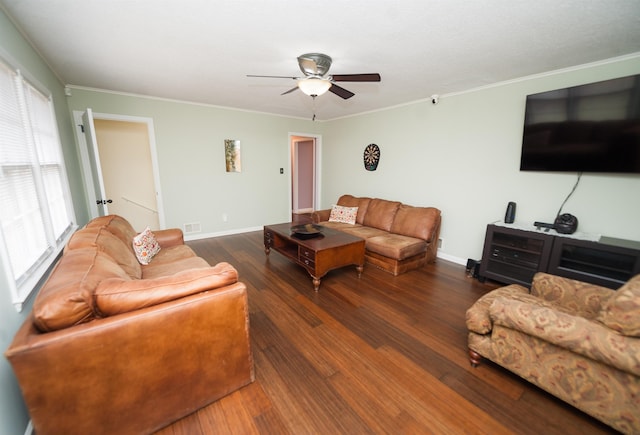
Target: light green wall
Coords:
[(463, 155), (13, 414), (190, 151)]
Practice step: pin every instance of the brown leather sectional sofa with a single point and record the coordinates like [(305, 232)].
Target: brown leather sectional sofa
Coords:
[(113, 346), (399, 237)]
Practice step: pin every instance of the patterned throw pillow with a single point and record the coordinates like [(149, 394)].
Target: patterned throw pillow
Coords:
[(145, 246), (622, 311), (346, 215)]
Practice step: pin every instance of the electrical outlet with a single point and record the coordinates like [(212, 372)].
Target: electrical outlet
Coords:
[(439, 243), (224, 217)]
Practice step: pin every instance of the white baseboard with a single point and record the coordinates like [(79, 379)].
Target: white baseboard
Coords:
[(220, 233), (29, 429), (190, 237), (451, 258)]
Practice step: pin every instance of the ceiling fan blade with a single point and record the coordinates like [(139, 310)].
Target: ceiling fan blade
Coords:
[(289, 91), (374, 77), (274, 77), (341, 92)]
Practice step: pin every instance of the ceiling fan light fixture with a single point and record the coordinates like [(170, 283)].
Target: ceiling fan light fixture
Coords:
[(314, 86)]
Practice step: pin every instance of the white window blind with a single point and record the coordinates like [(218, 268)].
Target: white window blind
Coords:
[(36, 214)]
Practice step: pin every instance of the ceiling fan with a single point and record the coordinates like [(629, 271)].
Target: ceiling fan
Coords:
[(315, 82)]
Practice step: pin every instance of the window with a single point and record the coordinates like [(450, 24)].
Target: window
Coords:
[(36, 213)]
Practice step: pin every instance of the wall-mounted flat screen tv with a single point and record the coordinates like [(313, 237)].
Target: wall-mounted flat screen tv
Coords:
[(588, 128)]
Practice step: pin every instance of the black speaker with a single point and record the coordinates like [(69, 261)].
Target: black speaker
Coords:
[(566, 224), (510, 214), (473, 268)]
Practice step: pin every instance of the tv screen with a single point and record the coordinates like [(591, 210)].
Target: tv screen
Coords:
[(588, 128)]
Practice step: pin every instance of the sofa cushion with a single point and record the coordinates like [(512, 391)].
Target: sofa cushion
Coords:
[(102, 239), (145, 246), (582, 298), (396, 246), (363, 232), (352, 201), (418, 222), (622, 311), (173, 260), (343, 214), (380, 214), (117, 295), (576, 334), (66, 298), (339, 225), (118, 226), (170, 255)]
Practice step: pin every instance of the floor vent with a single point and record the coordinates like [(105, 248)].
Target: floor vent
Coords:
[(192, 228)]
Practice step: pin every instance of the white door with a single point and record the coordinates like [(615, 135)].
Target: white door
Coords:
[(99, 198), (120, 168), (127, 172)]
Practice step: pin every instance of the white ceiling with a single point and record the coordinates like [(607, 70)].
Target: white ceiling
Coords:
[(202, 50)]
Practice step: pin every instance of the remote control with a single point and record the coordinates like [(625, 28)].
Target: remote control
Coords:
[(543, 225)]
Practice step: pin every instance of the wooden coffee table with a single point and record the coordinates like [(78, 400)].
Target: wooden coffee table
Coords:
[(318, 255)]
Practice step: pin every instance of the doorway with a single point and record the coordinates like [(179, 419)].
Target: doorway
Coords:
[(119, 164), (305, 164)]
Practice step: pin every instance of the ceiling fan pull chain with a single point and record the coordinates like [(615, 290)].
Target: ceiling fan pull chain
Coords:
[(314, 107)]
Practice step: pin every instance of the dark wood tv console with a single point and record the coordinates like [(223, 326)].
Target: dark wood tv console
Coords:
[(514, 255)]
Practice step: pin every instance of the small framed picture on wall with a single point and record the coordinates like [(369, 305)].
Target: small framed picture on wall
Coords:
[(233, 159)]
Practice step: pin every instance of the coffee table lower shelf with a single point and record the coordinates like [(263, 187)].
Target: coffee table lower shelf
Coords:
[(318, 255)]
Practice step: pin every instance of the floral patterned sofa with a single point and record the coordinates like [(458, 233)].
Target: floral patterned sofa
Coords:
[(578, 341)]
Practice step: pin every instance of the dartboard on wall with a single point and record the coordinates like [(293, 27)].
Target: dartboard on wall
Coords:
[(371, 157)]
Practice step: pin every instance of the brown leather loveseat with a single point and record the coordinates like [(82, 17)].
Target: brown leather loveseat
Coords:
[(113, 346), (399, 237)]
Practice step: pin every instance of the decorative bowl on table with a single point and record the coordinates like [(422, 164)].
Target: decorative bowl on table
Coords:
[(306, 231)]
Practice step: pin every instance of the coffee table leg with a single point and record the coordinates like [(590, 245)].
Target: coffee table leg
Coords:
[(316, 283)]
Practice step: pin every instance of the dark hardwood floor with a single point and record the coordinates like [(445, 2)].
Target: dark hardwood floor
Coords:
[(379, 354)]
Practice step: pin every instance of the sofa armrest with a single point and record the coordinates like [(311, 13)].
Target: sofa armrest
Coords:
[(574, 333), (320, 216), (477, 317), (136, 372), (584, 299), (117, 295), (169, 237)]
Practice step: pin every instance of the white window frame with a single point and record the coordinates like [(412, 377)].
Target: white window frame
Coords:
[(23, 286)]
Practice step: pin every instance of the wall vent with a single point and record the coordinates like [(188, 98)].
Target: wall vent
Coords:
[(191, 228)]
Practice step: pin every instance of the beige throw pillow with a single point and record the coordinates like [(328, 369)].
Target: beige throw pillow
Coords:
[(343, 214), (145, 246)]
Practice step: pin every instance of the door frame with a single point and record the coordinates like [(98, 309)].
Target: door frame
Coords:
[(295, 173), (86, 166), (297, 137)]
